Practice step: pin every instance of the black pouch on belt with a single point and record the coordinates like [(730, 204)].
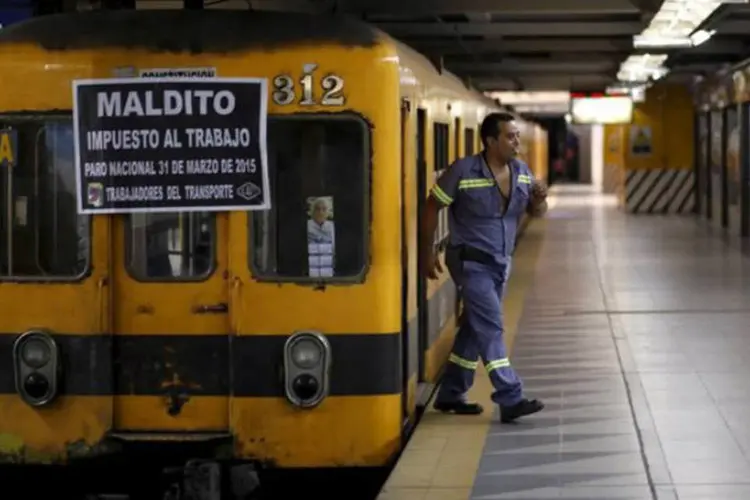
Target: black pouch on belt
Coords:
[(466, 252)]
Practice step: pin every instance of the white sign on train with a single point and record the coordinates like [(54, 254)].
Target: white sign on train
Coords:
[(170, 144), (178, 73)]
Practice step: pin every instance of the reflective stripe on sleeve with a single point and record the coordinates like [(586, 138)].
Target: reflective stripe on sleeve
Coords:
[(475, 183), (441, 195)]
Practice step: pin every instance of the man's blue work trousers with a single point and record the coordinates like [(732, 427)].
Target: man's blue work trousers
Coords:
[(481, 287)]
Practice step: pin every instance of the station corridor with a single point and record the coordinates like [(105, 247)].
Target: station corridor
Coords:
[(635, 331)]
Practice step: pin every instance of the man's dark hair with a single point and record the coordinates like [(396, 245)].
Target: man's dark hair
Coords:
[(490, 127)]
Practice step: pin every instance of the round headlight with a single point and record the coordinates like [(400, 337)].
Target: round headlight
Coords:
[(306, 353), (36, 385), (305, 386), (35, 353)]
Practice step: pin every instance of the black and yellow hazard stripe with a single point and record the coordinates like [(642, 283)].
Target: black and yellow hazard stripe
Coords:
[(211, 365)]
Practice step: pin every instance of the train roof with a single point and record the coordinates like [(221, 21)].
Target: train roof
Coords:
[(220, 31), (213, 31), (427, 74)]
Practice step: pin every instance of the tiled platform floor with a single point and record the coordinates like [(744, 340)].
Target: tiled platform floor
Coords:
[(636, 333)]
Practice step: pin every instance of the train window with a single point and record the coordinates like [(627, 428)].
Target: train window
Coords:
[(441, 137), (318, 225), (441, 132), (42, 237), (469, 141), (457, 138), (170, 246)]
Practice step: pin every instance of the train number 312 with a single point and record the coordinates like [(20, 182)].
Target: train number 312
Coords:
[(284, 92)]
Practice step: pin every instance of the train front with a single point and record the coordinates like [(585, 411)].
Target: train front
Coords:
[(193, 254)]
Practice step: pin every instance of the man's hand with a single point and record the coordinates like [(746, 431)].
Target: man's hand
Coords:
[(538, 201), (431, 266), (538, 192)]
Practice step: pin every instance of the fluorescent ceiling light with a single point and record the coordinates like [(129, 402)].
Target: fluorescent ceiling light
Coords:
[(674, 26), (642, 68), (650, 42), (701, 36), (636, 92), (679, 18), (532, 97)]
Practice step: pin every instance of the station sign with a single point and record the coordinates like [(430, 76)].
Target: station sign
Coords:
[(166, 145)]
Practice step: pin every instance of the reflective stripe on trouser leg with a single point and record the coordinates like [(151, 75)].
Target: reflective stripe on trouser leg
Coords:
[(462, 364), (482, 289)]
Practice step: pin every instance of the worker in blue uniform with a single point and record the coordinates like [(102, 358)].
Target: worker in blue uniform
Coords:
[(486, 195)]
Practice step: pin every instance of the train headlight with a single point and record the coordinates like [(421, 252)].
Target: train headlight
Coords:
[(307, 364), (36, 385), (35, 353), (306, 353), (305, 386), (36, 360)]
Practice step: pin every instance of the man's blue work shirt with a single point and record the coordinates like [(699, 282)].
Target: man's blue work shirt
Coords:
[(477, 215)]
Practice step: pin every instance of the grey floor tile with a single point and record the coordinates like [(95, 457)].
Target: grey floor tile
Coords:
[(574, 425), (587, 400), (714, 492), (567, 444), (710, 471), (666, 399), (703, 449), (665, 493), (486, 484), (563, 462), (575, 493)]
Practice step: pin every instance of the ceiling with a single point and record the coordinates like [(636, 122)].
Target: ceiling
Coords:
[(729, 45), (575, 45)]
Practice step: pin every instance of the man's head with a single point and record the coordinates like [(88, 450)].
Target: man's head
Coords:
[(320, 210), (500, 137)]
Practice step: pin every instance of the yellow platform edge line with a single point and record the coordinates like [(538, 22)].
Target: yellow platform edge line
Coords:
[(441, 460)]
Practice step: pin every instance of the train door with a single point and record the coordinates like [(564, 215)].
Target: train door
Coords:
[(744, 120), (708, 158), (171, 321), (412, 349), (421, 280), (724, 194), (406, 355)]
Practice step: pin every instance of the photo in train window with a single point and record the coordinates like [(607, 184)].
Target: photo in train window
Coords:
[(314, 161), (170, 246), (321, 236), (41, 234)]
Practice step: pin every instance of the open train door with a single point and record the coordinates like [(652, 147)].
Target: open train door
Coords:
[(423, 389)]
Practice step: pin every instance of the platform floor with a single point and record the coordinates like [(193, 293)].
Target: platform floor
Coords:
[(635, 331)]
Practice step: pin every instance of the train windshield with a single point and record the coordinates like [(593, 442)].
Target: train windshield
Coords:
[(41, 234), (317, 227)]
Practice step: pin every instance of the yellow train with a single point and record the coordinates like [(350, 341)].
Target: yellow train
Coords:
[(205, 330)]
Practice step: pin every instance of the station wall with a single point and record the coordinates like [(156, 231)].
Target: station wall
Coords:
[(649, 162), (721, 151)]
